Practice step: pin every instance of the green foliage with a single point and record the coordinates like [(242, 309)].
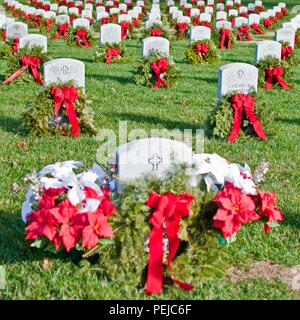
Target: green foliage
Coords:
[(44, 30), (72, 38), (100, 55), (221, 119), (271, 62), (39, 119), (166, 32), (216, 37), (13, 61), (291, 59), (211, 57), (145, 76)]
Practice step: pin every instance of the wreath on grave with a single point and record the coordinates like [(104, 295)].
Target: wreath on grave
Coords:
[(48, 27), (181, 29), (274, 73), (25, 65), (270, 23), (288, 53), (203, 51), (224, 38), (256, 28), (158, 31), (111, 53), (60, 109), (254, 114), (243, 33), (297, 39), (81, 37), (156, 70)]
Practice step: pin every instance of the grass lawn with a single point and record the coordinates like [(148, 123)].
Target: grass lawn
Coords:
[(187, 105)]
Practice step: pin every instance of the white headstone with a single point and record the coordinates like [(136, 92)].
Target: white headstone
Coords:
[(266, 49), (34, 40), (16, 30), (81, 22), (64, 70), (240, 21), (155, 44), (237, 77), (286, 35), (205, 17), (253, 18), (150, 23), (110, 33), (63, 10), (200, 33)]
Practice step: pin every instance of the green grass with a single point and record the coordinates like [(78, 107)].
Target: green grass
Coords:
[(187, 105)]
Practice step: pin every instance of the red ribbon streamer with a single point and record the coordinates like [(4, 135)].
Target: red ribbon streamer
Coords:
[(196, 20), (28, 62), (256, 29), (168, 209), (275, 74), (225, 39), (286, 51), (124, 29), (111, 53), (268, 23), (4, 34), (48, 24), (81, 38), (62, 31), (181, 27), (66, 96), (15, 45), (244, 31), (201, 49), (159, 67), (155, 32), (206, 24), (37, 21), (240, 102)]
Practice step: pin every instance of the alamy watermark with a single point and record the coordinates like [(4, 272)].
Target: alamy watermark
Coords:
[(2, 278)]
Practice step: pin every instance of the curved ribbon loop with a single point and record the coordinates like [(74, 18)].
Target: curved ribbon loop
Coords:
[(276, 74), (111, 53), (201, 49), (81, 38), (159, 67)]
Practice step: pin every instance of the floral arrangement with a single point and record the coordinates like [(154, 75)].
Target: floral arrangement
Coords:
[(181, 29), (203, 51), (156, 70), (65, 209), (111, 53), (59, 109), (25, 65), (239, 115), (288, 53), (48, 27), (80, 37), (274, 73)]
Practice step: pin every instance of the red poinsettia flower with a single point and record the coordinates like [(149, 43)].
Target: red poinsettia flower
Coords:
[(41, 223), (268, 208), (71, 223), (236, 209), (98, 228)]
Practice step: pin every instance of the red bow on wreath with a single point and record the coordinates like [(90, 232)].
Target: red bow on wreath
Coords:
[(66, 96), (232, 21), (244, 14), (135, 22), (4, 34), (48, 24), (206, 24), (268, 23), (275, 74), (155, 33), (181, 27), (168, 210), (37, 21), (28, 62), (256, 29), (124, 29), (286, 51), (201, 49), (111, 53), (62, 31), (225, 39), (15, 45), (284, 11), (195, 21), (244, 31), (81, 38), (104, 20), (159, 67), (188, 11), (278, 16), (259, 9), (243, 102)]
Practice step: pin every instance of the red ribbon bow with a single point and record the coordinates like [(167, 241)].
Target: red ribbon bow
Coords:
[(104, 20), (37, 21), (15, 45), (28, 62), (206, 24), (284, 11), (259, 9), (188, 12), (225, 39), (256, 29), (286, 51), (240, 102), (278, 16), (159, 67), (111, 53), (201, 49), (4, 34), (81, 38), (268, 23), (196, 20), (66, 96), (124, 29), (169, 209), (244, 31), (155, 32), (62, 31), (135, 22), (232, 21), (48, 24), (244, 14), (181, 27), (275, 74)]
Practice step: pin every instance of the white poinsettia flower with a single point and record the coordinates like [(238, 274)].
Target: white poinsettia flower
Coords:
[(241, 178), (75, 194), (54, 183), (56, 169), (88, 179), (91, 205), (210, 167), (27, 205)]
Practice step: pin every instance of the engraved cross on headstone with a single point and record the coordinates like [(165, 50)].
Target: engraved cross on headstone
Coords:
[(241, 73), (155, 160), (65, 70)]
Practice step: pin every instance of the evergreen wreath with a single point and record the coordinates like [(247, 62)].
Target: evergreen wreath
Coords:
[(221, 119), (211, 56), (271, 62), (216, 37), (291, 58), (13, 61), (45, 30), (72, 37), (159, 31), (145, 76), (101, 55), (40, 120)]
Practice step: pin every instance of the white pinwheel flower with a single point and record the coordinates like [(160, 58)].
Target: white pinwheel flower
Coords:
[(88, 179), (91, 205), (57, 169)]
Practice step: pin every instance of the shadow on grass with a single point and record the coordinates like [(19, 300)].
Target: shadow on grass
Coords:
[(120, 79), (12, 125), (167, 124), (291, 122)]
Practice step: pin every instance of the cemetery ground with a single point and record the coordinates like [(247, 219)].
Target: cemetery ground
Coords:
[(115, 97)]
